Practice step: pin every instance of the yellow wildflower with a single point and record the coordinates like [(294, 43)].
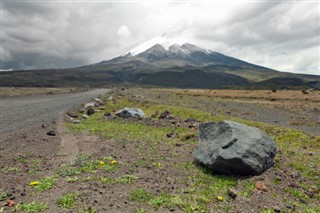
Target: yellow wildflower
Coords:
[(113, 162), (34, 183), (220, 198), (102, 162), (158, 164)]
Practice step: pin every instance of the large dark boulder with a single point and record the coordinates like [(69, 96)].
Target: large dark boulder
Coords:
[(232, 148)]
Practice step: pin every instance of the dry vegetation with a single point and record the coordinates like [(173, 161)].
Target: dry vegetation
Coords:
[(292, 95)]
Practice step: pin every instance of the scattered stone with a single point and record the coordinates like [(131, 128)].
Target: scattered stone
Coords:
[(10, 203), (288, 206), (261, 186), (169, 135), (85, 116), (192, 125), (232, 148), (81, 110), (99, 101), (76, 121), (310, 193), (110, 98), (90, 111), (166, 115), (50, 93), (107, 115), (44, 126), (23, 193), (102, 108), (294, 185), (190, 120), (276, 209), (90, 104), (72, 115), (51, 133), (130, 112), (232, 193)]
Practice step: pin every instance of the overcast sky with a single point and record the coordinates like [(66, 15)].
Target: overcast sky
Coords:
[(52, 34)]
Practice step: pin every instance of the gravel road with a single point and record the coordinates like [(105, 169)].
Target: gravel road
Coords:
[(20, 112)]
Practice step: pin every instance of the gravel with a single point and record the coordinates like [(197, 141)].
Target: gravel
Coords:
[(20, 112)]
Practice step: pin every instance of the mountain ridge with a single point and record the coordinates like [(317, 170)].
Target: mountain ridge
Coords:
[(165, 62)]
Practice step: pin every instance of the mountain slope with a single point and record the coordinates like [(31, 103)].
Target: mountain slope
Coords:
[(165, 62)]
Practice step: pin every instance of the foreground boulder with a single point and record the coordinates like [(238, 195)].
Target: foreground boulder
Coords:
[(233, 148), (130, 112)]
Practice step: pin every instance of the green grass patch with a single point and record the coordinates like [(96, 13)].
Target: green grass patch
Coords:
[(140, 195), (166, 200), (126, 179), (10, 170), (3, 196), (67, 201), (297, 193), (32, 207), (248, 187), (89, 210), (43, 184), (141, 163), (67, 172), (120, 130)]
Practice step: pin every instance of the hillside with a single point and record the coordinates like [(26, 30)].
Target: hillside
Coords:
[(161, 62)]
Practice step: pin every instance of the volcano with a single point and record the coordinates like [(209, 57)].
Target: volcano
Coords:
[(165, 62)]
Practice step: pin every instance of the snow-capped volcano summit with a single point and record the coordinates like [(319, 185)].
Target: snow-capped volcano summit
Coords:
[(163, 41), (163, 51)]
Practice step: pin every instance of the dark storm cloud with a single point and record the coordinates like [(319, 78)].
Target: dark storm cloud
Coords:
[(53, 34)]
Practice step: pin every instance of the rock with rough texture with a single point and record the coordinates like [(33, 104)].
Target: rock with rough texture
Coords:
[(90, 111), (166, 115), (51, 133), (232, 148), (84, 116), (233, 193), (99, 101), (72, 114), (130, 112), (89, 104)]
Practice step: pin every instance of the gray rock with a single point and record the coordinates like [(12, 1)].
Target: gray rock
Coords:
[(76, 121), (99, 101), (130, 112), (72, 114), (233, 148), (89, 104), (85, 116)]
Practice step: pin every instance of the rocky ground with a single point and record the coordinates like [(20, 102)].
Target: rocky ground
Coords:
[(103, 163)]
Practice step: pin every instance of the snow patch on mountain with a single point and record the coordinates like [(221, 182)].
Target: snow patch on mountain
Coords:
[(161, 40)]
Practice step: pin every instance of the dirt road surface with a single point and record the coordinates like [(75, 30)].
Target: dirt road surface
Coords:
[(20, 112)]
